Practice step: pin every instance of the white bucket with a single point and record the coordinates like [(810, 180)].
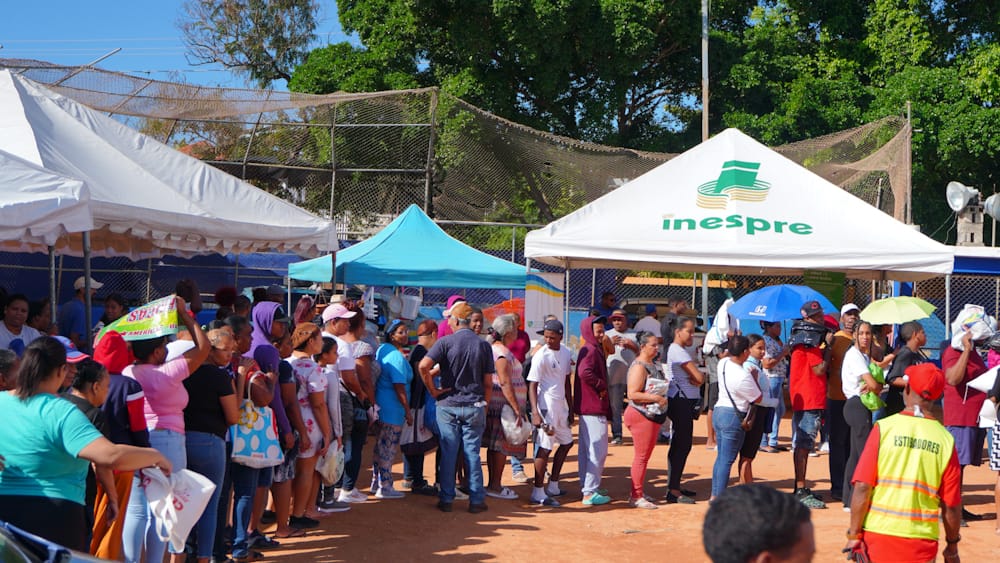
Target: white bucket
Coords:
[(410, 307)]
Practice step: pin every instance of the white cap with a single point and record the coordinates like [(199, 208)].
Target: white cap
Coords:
[(82, 280), (848, 308)]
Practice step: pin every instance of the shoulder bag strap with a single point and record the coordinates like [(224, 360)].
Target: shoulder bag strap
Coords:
[(726, 387)]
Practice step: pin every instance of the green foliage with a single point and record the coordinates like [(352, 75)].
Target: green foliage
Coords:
[(261, 39)]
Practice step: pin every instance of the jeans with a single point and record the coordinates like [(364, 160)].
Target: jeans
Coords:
[(222, 513), (245, 483), (616, 393), (840, 443), (139, 530), (680, 411), (729, 439), (461, 427), (770, 438), (593, 451), (206, 455), (353, 448), (859, 418)]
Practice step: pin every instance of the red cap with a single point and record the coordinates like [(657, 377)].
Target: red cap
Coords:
[(925, 380), (113, 352)]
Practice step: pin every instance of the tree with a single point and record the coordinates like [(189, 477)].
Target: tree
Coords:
[(263, 40)]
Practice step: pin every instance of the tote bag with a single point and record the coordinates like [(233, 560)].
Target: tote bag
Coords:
[(416, 438), (255, 436), (176, 502)]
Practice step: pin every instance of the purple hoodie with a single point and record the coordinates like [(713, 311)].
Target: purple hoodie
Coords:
[(267, 356), (590, 386)]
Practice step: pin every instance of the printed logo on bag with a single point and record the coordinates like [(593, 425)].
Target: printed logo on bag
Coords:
[(737, 182)]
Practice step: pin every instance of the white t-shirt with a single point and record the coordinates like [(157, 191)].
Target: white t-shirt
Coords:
[(677, 356), (27, 336), (855, 365), (648, 324), (333, 398), (550, 368), (739, 383), (345, 358)]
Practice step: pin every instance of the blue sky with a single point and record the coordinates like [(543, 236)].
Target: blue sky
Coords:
[(77, 32)]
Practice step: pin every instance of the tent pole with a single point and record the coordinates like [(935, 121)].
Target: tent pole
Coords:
[(288, 294), (52, 281), (593, 286), (87, 298), (947, 306), (566, 297), (704, 301)]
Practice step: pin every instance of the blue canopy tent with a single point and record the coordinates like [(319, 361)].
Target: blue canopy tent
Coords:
[(412, 251)]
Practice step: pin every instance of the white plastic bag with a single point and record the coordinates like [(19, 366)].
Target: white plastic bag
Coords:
[(176, 502), (331, 465), (515, 433)]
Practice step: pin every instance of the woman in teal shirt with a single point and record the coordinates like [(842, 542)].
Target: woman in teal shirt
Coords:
[(48, 444), (392, 395)]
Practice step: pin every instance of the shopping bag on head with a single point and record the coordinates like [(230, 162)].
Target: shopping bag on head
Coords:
[(255, 436), (972, 318), (176, 502), (330, 465)]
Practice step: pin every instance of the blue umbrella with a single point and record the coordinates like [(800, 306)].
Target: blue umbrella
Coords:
[(777, 303)]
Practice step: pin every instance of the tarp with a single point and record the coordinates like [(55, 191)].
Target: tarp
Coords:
[(977, 260), (147, 199), (412, 251), (37, 206), (732, 205)]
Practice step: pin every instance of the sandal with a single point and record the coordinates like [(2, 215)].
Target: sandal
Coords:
[(505, 493), (293, 533)]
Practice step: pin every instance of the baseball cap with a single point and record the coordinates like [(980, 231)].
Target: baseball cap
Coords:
[(811, 308), (461, 310), (618, 314), (650, 308), (553, 325), (848, 308), (451, 303), (82, 280), (925, 380), (72, 354), (337, 311)]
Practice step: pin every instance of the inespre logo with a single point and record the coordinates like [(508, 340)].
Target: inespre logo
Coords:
[(737, 181)]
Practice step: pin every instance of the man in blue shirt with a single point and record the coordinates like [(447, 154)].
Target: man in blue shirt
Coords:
[(73, 315)]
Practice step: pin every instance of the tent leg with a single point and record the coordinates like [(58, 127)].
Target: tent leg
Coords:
[(87, 298), (704, 301), (288, 295), (566, 305), (52, 281), (947, 306)]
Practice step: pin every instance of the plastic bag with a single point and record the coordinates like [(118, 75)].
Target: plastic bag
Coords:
[(516, 434), (331, 465), (872, 400), (176, 502)]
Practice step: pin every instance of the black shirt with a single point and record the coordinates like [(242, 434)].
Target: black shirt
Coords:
[(894, 395), (203, 412)]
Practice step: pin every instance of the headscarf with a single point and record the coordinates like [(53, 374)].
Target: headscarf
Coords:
[(261, 349)]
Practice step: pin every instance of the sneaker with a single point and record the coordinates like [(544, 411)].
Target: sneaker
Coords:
[(388, 492), (258, 540), (596, 499), (477, 508), (642, 502), (663, 439), (302, 522), (268, 517), (847, 509), (520, 477), (674, 499), (331, 506), (813, 453), (825, 447), (406, 485), (616, 441), (547, 501), (352, 496), (553, 490), (426, 490), (444, 506), (806, 497), (459, 495)]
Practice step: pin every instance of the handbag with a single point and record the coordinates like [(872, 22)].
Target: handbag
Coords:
[(330, 465), (515, 434), (750, 417), (695, 405), (255, 436), (416, 438), (176, 502)]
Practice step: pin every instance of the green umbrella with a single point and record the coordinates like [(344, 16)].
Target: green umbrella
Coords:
[(896, 310)]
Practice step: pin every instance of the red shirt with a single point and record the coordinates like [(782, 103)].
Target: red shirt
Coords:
[(808, 390), (883, 547), (962, 403)]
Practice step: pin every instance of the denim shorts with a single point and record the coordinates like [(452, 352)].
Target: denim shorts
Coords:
[(805, 425)]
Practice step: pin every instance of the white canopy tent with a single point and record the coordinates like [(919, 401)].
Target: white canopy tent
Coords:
[(732, 205), (147, 199), (37, 207)]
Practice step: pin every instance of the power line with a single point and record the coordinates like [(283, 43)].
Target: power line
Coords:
[(89, 40)]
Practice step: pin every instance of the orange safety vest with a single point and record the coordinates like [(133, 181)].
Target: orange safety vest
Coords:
[(913, 453)]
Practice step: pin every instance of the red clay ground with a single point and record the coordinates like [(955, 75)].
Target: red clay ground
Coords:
[(412, 529)]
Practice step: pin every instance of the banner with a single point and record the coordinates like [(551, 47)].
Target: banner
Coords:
[(830, 284), (156, 318), (543, 295)]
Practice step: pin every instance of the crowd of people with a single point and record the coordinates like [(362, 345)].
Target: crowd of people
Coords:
[(332, 384)]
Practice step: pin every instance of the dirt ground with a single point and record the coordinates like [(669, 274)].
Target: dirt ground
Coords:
[(412, 529)]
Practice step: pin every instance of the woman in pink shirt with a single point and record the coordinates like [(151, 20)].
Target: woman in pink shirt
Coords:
[(163, 385)]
